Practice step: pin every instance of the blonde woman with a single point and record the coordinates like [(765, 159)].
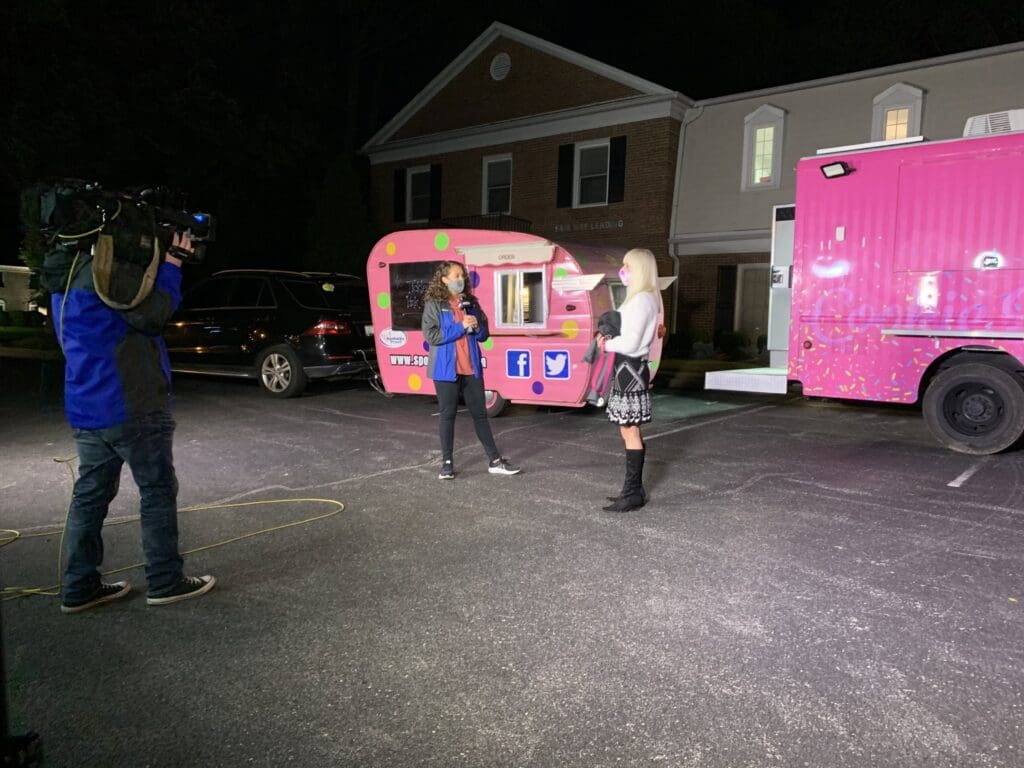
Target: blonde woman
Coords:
[(454, 326), (629, 404)]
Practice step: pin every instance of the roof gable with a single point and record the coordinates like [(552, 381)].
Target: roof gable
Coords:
[(465, 93)]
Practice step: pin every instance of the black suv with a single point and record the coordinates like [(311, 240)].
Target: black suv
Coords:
[(281, 328)]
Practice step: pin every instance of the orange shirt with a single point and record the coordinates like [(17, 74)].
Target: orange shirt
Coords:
[(463, 365)]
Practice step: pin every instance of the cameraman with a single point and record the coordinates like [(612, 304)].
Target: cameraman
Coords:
[(117, 396)]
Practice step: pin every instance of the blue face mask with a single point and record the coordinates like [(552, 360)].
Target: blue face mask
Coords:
[(456, 285)]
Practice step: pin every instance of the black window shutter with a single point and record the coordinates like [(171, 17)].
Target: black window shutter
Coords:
[(399, 194), (566, 171), (435, 192), (617, 170)]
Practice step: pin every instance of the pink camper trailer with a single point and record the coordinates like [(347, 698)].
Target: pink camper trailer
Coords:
[(900, 280), (542, 300)]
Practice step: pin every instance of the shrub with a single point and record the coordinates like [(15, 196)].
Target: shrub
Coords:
[(731, 343), (5, 318), (681, 343), (18, 318)]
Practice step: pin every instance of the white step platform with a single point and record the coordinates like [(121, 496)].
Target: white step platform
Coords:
[(768, 380)]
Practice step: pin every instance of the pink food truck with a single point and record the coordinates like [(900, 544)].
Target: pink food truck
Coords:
[(542, 300), (899, 277)]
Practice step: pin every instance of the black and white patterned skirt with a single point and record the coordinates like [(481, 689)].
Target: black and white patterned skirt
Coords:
[(629, 404)]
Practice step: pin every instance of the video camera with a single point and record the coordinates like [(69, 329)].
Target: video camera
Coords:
[(76, 211)]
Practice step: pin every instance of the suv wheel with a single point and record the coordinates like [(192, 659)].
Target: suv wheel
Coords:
[(280, 372)]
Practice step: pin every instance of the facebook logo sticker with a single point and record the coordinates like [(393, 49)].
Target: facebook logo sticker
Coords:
[(556, 364), (517, 363)]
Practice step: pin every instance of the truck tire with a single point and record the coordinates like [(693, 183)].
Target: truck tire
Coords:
[(975, 408), (280, 372), (494, 402)]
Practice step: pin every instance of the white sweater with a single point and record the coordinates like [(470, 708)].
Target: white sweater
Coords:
[(639, 324)]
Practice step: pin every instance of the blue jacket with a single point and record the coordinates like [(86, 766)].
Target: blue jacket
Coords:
[(442, 331), (116, 364)]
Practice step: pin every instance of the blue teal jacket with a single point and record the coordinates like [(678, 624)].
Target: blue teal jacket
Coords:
[(116, 364), (441, 332)]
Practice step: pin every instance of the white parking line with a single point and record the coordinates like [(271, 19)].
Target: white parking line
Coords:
[(704, 423), (966, 474)]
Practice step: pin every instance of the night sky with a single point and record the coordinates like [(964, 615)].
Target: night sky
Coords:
[(256, 114)]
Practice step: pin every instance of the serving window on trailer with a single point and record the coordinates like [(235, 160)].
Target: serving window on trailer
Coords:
[(408, 283), (520, 297)]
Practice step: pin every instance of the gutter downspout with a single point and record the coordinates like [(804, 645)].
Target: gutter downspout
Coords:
[(676, 194)]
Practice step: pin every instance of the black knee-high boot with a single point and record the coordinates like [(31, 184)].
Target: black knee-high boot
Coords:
[(633, 494), (625, 483)]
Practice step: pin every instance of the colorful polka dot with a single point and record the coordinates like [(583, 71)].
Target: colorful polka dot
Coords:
[(415, 382), (561, 272), (384, 300), (538, 387), (474, 279), (488, 345), (390, 249), (426, 346), (570, 329), (441, 241)]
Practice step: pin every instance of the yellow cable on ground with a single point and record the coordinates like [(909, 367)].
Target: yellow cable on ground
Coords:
[(13, 593)]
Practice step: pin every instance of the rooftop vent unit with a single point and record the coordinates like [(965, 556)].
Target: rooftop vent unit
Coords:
[(995, 122)]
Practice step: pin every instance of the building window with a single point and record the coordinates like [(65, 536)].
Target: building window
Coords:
[(591, 187), (417, 194), (762, 148), (896, 123), (896, 113), (497, 191), (519, 296), (591, 173)]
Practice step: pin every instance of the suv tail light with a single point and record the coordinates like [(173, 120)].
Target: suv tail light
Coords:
[(329, 328)]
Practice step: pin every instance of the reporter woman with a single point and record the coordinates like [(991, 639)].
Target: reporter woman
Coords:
[(454, 325), (629, 404)]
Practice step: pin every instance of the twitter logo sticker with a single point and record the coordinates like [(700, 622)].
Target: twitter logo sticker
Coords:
[(556, 364)]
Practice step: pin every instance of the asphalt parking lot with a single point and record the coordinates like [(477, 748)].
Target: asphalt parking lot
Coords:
[(811, 584)]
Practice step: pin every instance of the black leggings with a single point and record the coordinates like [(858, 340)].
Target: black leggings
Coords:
[(472, 390)]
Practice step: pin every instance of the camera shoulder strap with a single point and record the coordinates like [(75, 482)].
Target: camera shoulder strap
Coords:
[(122, 284)]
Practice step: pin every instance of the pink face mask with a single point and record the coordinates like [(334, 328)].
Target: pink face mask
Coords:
[(624, 275)]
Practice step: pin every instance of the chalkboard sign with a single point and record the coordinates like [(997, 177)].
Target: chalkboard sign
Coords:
[(408, 284)]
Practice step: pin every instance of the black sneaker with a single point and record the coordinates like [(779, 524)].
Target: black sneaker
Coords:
[(189, 586), (503, 467), (104, 594), (447, 471)]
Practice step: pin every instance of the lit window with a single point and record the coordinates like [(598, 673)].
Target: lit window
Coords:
[(497, 193), (592, 174), (763, 155), (896, 113), (520, 298), (762, 148), (896, 123)]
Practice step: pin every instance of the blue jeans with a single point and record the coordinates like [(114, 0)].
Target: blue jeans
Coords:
[(144, 444)]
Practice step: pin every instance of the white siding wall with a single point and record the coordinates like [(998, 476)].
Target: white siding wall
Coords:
[(824, 115)]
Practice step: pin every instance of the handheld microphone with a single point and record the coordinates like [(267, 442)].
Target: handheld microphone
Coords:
[(465, 304)]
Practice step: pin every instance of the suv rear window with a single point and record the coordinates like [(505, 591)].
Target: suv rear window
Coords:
[(341, 296)]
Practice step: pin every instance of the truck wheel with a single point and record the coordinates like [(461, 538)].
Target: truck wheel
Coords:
[(495, 403), (280, 372), (975, 408)]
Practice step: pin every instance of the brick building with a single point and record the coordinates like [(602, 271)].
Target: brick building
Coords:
[(518, 133)]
